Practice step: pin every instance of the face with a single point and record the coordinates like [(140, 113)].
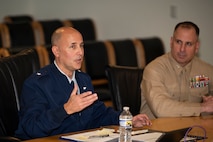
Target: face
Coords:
[(69, 51), (184, 45)]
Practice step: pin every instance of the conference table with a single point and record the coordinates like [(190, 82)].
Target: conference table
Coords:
[(160, 124)]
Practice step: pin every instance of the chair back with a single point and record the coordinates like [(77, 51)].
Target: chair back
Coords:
[(18, 35), (125, 52), (9, 139), (95, 64), (124, 83), (85, 26), (8, 102), (45, 28), (13, 71), (1, 33), (153, 48), (17, 18)]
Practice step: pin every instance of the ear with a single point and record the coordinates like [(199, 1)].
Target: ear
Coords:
[(197, 46), (55, 50), (171, 39)]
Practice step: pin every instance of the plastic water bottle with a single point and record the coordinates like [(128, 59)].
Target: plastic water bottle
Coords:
[(125, 129)]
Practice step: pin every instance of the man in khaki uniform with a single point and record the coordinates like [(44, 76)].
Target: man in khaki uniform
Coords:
[(177, 83)]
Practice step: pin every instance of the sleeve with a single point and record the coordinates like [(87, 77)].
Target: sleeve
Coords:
[(37, 118), (157, 97), (104, 116)]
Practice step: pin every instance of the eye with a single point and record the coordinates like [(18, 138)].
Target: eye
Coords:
[(188, 43), (178, 41), (82, 45), (73, 46)]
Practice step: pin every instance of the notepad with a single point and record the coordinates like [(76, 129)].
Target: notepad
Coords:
[(103, 135)]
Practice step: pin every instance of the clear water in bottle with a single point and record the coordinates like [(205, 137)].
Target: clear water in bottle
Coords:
[(125, 129)]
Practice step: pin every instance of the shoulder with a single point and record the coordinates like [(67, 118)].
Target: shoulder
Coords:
[(42, 73), (197, 60), (158, 63), (199, 64)]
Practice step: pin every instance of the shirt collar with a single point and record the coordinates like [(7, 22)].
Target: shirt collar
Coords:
[(68, 78), (179, 69)]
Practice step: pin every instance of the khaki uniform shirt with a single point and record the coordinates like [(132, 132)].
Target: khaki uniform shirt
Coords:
[(169, 90)]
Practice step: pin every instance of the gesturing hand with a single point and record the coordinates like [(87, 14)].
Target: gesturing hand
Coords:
[(78, 102)]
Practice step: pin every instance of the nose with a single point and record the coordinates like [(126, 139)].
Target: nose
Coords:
[(80, 50), (182, 47)]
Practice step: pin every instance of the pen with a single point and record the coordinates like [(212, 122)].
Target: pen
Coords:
[(99, 136), (138, 132)]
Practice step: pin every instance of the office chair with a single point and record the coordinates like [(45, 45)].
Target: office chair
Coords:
[(153, 48), (124, 84), (85, 26), (4, 52), (18, 35), (18, 18), (45, 28), (8, 102), (125, 52), (95, 65), (9, 139), (1, 39)]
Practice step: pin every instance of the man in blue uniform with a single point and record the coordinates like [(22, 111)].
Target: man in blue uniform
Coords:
[(60, 98)]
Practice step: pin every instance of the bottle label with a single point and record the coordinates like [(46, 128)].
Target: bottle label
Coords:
[(126, 123)]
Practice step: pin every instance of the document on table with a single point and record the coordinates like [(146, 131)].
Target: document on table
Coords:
[(103, 135), (108, 135)]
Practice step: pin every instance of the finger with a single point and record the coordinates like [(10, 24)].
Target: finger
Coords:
[(88, 95), (142, 119), (90, 98), (85, 94)]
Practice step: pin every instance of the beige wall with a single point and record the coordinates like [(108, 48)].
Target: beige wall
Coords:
[(117, 19)]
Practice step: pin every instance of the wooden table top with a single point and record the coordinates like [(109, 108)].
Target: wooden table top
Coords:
[(162, 124)]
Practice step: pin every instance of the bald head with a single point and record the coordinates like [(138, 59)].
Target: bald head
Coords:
[(58, 34), (68, 49)]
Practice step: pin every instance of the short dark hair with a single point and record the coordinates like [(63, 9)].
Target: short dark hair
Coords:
[(188, 24)]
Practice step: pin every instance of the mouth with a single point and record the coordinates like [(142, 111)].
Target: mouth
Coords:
[(79, 60), (181, 56)]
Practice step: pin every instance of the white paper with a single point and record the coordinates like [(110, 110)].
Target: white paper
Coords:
[(85, 137)]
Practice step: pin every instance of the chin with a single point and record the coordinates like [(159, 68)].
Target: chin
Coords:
[(78, 68)]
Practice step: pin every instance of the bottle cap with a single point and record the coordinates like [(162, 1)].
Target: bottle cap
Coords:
[(125, 108)]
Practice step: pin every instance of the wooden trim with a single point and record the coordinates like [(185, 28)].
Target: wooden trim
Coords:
[(111, 53), (140, 53)]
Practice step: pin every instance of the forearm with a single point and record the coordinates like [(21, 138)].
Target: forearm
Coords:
[(42, 123), (39, 114)]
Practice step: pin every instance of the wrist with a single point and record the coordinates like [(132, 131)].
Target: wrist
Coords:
[(67, 110)]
